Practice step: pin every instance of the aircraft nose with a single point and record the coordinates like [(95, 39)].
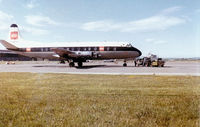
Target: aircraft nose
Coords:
[(139, 52)]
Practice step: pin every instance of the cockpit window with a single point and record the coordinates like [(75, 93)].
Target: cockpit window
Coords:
[(129, 45)]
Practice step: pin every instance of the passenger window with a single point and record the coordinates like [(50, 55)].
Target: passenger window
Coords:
[(95, 48), (108, 48), (114, 49), (89, 49)]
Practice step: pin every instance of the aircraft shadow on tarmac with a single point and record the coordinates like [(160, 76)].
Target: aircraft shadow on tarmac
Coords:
[(94, 66), (102, 66), (83, 67), (91, 66)]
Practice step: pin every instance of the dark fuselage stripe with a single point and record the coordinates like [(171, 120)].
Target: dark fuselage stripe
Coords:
[(48, 49)]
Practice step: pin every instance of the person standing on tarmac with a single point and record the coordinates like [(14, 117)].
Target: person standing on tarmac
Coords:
[(135, 61)]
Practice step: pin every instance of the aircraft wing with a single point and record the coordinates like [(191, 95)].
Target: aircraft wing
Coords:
[(67, 53), (62, 52)]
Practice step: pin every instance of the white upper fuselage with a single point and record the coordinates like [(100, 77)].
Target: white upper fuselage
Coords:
[(24, 44)]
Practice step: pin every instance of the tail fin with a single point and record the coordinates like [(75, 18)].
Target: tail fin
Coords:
[(8, 45), (14, 33)]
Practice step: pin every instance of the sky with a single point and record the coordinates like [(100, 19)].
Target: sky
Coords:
[(168, 28)]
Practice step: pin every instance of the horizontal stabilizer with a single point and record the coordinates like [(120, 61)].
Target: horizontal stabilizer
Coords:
[(8, 45)]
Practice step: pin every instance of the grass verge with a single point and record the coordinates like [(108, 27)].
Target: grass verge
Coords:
[(28, 99)]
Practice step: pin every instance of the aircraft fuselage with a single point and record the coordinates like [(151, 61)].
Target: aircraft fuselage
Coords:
[(108, 52)]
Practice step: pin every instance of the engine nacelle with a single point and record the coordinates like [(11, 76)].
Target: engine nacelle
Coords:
[(82, 54)]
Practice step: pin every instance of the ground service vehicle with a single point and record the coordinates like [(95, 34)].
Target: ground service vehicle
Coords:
[(150, 61)]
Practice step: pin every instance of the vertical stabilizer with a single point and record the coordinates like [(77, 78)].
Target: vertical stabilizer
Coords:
[(14, 33)]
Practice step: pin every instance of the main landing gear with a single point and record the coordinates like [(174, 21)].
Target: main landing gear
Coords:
[(71, 64), (125, 64), (62, 62), (80, 64)]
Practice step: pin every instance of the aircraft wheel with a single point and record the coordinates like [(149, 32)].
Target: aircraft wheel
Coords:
[(62, 62), (125, 64), (71, 64), (80, 64)]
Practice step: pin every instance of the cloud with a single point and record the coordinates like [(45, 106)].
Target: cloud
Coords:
[(5, 20), (34, 31), (197, 10), (155, 41), (37, 20), (158, 22), (101, 26), (171, 10), (31, 4), (154, 23)]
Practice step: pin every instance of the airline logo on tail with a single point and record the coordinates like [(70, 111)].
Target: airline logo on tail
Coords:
[(14, 35), (14, 32)]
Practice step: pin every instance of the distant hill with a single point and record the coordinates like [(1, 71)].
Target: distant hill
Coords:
[(183, 59)]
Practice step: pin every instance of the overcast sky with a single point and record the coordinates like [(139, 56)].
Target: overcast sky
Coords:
[(168, 28)]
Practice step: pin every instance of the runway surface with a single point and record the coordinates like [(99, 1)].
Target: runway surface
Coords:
[(100, 67)]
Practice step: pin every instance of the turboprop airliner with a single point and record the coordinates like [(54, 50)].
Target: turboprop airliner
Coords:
[(73, 52)]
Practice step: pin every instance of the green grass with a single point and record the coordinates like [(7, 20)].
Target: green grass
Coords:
[(28, 99)]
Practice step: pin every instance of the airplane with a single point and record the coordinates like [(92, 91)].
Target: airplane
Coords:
[(74, 52)]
